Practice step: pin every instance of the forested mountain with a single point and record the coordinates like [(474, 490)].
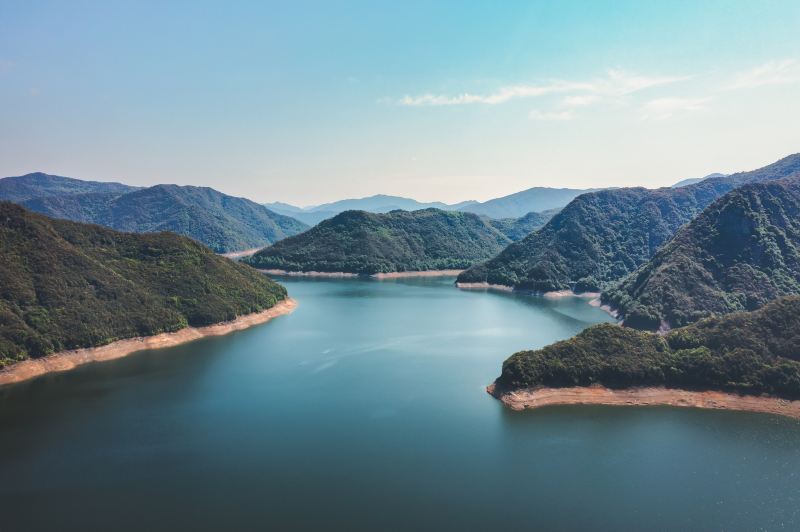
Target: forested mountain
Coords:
[(66, 285), (601, 237), (39, 185), (537, 199), (367, 243), (748, 352), (519, 228), (740, 253), (223, 223)]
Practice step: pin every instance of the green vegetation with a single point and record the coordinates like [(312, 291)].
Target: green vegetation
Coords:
[(367, 243), (223, 223), (67, 285), (38, 185), (749, 352), (740, 253), (518, 228), (601, 237)]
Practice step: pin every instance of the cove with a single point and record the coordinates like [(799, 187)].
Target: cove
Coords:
[(365, 409)]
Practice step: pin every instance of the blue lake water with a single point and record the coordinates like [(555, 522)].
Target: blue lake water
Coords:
[(365, 409)]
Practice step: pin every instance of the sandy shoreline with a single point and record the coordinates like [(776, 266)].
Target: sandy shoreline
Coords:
[(390, 275), (649, 396), (485, 286), (66, 360), (241, 254)]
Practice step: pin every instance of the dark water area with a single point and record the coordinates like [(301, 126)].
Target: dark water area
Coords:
[(365, 409)]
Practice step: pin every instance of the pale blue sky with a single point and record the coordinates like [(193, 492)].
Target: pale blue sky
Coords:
[(314, 101)]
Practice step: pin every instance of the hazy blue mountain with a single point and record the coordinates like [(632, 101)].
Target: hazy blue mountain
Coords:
[(693, 180), (37, 185), (537, 199), (223, 223), (379, 203)]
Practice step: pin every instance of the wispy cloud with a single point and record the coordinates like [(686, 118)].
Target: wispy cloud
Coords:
[(579, 101), (551, 116), (615, 83), (782, 72), (662, 108), (6, 65)]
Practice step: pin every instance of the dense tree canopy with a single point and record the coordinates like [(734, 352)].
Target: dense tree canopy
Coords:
[(748, 352), (367, 243), (738, 254), (66, 285)]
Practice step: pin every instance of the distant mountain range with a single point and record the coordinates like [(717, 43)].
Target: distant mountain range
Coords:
[(538, 199), (67, 285), (601, 237), (368, 243), (519, 204), (223, 223), (693, 180), (38, 185), (740, 253)]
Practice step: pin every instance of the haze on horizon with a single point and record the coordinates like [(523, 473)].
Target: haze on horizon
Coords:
[(310, 102)]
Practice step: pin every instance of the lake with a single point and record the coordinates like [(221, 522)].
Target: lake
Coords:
[(365, 409)]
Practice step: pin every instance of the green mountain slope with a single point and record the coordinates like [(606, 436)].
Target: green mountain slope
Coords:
[(223, 223), (740, 253), (601, 237), (367, 243), (749, 352), (518, 228), (38, 185), (66, 285)]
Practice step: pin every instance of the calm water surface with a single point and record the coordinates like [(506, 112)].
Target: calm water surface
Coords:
[(365, 409)]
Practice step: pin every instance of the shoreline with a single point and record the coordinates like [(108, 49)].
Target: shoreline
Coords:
[(67, 360), (485, 286), (379, 276), (241, 254), (645, 396)]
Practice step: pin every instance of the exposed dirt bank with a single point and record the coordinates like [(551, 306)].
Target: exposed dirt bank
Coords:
[(485, 286), (598, 395), (241, 254), (67, 360), (391, 275)]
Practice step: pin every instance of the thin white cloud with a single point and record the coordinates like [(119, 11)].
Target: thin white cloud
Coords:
[(662, 108), (782, 72), (615, 83), (579, 101), (551, 116)]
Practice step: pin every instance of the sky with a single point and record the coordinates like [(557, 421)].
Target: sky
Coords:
[(308, 102)]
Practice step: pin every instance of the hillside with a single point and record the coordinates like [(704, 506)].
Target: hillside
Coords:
[(367, 243), (601, 237), (740, 253), (66, 285), (223, 223), (38, 185), (749, 352), (518, 228), (537, 199)]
